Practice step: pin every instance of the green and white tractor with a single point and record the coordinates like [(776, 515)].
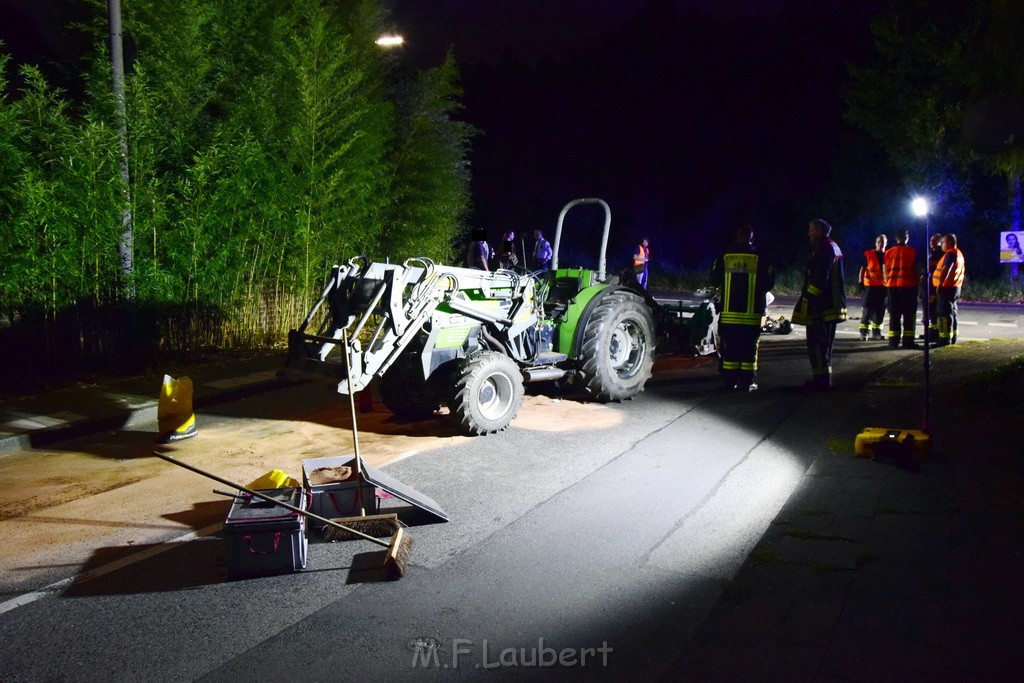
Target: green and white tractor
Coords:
[(434, 334)]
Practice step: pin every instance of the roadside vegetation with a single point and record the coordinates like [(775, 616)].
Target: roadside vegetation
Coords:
[(263, 143)]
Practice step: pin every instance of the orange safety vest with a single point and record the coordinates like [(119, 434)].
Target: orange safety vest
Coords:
[(955, 275), (872, 270), (899, 266), (641, 256)]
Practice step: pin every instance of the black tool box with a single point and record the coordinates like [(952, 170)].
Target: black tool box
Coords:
[(261, 538)]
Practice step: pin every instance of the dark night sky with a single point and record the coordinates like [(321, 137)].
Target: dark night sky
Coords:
[(686, 116)]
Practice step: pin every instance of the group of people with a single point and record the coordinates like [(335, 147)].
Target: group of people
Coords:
[(894, 281), (744, 280), (480, 254)]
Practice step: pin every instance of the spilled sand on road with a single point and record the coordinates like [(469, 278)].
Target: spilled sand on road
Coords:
[(107, 492)]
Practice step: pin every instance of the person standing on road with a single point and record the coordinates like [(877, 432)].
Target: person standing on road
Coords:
[(541, 251), (744, 278), (641, 257), (931, 335), (822, 303), (479, 253), (948, 279), (872, 278), (507, 258), (902, 274)]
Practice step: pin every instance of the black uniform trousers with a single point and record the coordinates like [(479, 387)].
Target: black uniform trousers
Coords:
[(873, 311), (821, 337), (738, 353), (946, 312), (902, 315)]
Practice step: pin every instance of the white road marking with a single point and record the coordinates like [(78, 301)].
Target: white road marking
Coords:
[(1003, 325), (28, 598)]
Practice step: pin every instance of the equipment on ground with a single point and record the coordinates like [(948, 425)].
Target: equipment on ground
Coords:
[(398, 549), (433, 334)]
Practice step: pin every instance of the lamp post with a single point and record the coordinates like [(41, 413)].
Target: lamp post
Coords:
[(921, 208)]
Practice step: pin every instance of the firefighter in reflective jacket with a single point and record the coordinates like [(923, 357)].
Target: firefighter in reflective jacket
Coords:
[(822, 303), (744, 278), (872, 278), (902, 274), (641, 258), (948, 279)]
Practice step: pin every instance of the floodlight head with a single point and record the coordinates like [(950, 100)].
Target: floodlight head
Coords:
[(919, 207), (390, 40)]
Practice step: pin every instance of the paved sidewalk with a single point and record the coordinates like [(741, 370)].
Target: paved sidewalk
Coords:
[(89, 407)]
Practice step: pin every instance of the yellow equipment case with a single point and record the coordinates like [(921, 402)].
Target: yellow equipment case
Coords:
[(879, 442)]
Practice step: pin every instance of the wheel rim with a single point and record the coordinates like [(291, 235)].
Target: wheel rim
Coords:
[(495, 396), (627, 349)]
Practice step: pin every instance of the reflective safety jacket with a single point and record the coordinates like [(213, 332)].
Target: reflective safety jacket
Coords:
[(954, 276), (744, 278), (900, 266), (640, 257), (823, 298), (873, 269)]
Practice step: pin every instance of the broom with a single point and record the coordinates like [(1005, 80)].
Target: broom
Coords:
[(374, 525), (399, 548)]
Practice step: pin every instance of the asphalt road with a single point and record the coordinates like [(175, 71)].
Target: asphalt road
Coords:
[(602, 543)]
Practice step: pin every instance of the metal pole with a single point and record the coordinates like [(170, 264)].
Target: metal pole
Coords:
[(926, 425), (125, 247)]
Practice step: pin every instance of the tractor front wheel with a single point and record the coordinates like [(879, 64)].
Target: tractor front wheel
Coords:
[(618, 348), (487, 393), (405, 393)]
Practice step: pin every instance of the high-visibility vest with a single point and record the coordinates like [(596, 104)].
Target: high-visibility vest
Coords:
[(742, 303), (955, 275), (872, 269), (899, 266), (641, 256)]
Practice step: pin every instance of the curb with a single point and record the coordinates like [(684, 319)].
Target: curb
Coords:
[(144, 415)]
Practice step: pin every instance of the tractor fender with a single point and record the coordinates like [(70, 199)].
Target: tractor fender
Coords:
[(570, 332)]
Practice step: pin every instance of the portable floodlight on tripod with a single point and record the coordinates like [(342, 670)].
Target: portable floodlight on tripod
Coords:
[(907, 446)]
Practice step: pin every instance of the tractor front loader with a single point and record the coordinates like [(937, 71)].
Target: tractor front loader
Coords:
[(470, 339)]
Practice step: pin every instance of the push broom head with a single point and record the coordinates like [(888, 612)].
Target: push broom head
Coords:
[(378, 526), (397, 557), (399, 550)]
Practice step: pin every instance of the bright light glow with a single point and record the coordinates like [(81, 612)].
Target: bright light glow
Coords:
[(919, 206), (390, 40)]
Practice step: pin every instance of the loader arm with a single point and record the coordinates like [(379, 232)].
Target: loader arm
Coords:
[(403, 298)]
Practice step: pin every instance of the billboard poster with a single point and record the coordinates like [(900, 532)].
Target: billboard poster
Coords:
[(1010, 247)]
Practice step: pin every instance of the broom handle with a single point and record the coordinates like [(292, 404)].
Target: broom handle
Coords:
[(355, 431), (270, 499), (352, 407)]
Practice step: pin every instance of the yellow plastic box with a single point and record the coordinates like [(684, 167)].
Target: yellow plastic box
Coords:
[(879, 438)]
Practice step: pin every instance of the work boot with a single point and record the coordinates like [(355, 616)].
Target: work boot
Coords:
[(863, 336), (876, 335)]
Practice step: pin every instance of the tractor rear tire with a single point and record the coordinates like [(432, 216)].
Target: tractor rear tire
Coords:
[(405, 394), (486, 393), (618, 348)]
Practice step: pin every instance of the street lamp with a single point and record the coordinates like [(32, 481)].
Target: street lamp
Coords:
[(390, 40), (921, 208)]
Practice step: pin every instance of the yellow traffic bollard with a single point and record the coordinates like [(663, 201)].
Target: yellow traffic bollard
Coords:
[(174, 411)]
